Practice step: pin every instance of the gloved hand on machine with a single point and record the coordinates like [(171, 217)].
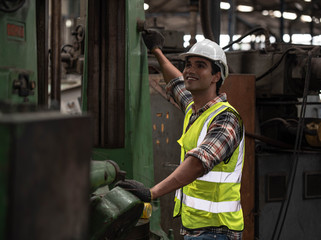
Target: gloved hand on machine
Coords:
[(153, 39), (136, 188)]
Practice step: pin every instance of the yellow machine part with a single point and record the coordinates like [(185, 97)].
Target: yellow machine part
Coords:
[(314, 140)]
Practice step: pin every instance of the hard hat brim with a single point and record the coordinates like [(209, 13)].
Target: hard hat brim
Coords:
[(183, 56)]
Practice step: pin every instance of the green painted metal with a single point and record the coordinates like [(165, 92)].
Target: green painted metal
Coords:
[(102, 173), (18, 55), (113, 214), (136, 158), (18, 51)]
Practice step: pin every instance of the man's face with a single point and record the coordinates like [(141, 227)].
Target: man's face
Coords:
[(198, 74)]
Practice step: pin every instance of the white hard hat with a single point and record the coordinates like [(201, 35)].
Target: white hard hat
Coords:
[(211, 51)]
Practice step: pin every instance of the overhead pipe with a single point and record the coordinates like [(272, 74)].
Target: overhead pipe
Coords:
[(231, 19), (193, 8), (210, 14)]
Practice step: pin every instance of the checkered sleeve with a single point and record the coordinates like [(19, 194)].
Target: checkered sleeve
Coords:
[(176, 89), (223, 136)]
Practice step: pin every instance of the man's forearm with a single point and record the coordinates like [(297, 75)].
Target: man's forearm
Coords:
[(184, 174), (168, 69)]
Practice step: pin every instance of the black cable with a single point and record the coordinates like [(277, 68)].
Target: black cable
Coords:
[(258, 29), (275, 65), (297, 147)]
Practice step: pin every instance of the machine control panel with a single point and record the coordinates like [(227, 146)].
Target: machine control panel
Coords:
[(17, 85), (23, 86)]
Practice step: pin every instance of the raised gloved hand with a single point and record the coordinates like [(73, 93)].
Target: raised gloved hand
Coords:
[(136, 188), (153, 39)]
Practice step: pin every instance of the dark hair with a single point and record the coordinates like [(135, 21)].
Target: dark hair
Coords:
[(216, 69)]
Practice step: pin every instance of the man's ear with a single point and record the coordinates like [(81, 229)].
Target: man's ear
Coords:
[(216, 77)]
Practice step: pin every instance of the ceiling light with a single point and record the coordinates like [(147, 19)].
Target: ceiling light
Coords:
[(277, 14), (286, 15), (225, 5), (289, 15), (316, 20), (286, 38), (244, 8), (307, 0), (306, 18), (146, 6), (68, 23), (265, 12)]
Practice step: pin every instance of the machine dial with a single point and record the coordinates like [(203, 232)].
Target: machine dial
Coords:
[(11, 5)]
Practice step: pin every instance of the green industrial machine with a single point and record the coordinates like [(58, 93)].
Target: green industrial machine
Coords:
[(18, 52), (114, 212), (67, 190), (116, 92)]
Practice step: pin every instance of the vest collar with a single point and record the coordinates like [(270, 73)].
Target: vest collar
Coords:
[(220, 98)]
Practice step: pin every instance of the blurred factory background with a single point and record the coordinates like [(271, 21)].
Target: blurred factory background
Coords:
[(83, 105)]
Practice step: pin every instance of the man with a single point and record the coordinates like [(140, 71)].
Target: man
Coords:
[(208, 179)]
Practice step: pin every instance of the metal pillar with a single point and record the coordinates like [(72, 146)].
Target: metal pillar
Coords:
[(42, 51), (55, 40), (281, 20)]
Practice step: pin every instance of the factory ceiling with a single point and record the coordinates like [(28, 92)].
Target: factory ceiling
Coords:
[(300, 16)]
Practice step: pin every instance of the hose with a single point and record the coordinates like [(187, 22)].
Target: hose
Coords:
[(275, 65), (205, 19), (258, 29)]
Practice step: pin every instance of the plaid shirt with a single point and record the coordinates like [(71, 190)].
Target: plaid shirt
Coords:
[(223, 137), (224, 133)]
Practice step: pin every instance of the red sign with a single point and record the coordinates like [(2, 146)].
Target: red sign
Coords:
[(14, 30)]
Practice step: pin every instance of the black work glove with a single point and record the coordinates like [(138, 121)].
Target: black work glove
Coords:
[(136, 188), (153, 39)]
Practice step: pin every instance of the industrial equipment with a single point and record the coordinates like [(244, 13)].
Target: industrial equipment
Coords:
[(287, 136), (55, 179), (18, 61), (113, 212), (67, 191)]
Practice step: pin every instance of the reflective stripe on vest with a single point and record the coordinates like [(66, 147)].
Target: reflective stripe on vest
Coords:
[(227, 177), (208, 206)]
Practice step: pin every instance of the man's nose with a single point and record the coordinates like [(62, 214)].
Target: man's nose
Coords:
[(190, 69)]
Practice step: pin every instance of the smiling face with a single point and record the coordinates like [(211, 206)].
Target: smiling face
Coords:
[(198, 75)]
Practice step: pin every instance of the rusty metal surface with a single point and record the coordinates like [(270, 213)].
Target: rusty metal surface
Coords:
[(240, 89), (106, 71), (113, 74), (167, 122), (55, 41), (48, 176), (93, 63)]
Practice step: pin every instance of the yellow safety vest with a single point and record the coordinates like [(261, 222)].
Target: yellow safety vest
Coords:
[(212, 200)]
